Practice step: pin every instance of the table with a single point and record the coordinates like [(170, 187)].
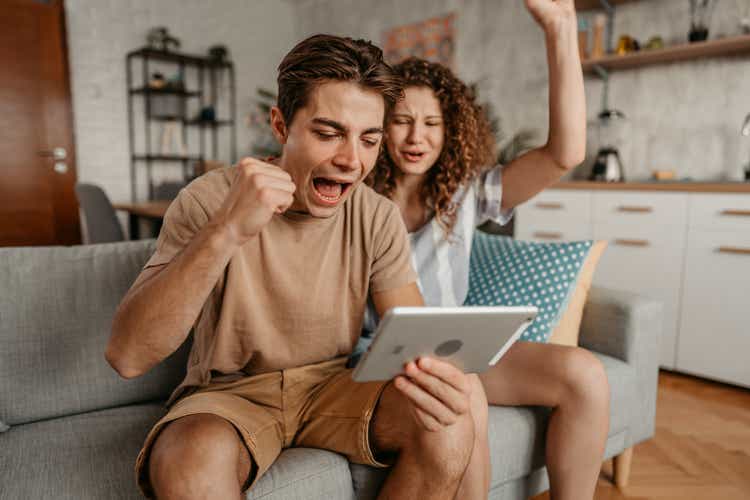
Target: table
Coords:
[(153, 211)]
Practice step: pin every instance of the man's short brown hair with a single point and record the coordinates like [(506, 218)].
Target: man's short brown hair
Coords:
[(322, 58)]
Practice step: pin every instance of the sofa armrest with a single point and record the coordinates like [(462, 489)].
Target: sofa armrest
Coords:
[(628, 327), (621, 324)]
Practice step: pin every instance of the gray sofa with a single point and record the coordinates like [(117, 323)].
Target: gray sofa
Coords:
[(70, 428)]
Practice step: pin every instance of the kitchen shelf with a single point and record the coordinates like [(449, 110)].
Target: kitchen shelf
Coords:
[(183, 93), (191, 123), (597, 4), (178, 57), (686, 51), (166, 158)]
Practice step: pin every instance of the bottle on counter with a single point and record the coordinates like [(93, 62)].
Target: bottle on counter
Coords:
[(597, 44), (583, 38)]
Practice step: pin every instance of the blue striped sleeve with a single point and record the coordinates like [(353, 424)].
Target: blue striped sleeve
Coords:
[(489, 197)]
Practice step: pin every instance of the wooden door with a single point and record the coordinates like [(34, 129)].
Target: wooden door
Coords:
[(37, 197)]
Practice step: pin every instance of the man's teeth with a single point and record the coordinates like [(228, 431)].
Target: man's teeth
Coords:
[(327, 189)]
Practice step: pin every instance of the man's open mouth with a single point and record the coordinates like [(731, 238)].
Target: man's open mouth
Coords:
[(329, 191), (413, 156)]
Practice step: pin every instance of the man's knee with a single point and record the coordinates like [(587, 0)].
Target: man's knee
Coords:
[(445, 452), (193, 452), (448, 450)]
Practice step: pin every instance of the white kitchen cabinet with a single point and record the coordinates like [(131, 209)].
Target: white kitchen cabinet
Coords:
[(714, 328), (691, 251), (555, 215), (646, 234), (645, 259)]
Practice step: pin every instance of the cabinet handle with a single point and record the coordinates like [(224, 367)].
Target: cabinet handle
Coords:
[(548, 236), (549, 205), (734, 250), (745, 213), (632, 243), (632, 209)]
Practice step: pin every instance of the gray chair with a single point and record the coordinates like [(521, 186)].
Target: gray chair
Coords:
[(101, 221)]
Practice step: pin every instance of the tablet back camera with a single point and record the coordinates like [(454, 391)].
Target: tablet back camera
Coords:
[(449, 347)]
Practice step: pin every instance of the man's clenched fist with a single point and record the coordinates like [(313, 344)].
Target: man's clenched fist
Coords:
[(259, 190)]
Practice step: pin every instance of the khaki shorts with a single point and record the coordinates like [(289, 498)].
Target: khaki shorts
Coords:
[(315, 406)]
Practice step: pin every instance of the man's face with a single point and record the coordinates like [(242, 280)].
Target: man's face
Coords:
[(331, 145)]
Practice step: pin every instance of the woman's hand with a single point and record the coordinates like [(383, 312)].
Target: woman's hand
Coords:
[(551, 14)]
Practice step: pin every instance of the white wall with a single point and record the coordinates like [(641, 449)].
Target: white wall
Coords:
[(684, 116), (100, 33)]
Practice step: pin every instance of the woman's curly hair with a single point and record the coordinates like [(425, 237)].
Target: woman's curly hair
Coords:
[(468, 148)]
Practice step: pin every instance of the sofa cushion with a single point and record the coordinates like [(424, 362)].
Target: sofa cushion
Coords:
[(56, 305), (84, 456), (92, 455), (509, 272), (305, 473)]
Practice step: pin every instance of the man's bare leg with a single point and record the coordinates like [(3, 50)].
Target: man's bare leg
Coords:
[(571, 381), (199, 457), (429, 463), (476, 481)]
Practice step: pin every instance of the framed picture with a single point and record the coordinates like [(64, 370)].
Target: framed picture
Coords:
[(432, 39)]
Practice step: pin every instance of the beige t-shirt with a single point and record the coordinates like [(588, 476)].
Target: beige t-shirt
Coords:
[(296, 294)]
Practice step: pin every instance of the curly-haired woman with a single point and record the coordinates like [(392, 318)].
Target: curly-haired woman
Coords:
[(434, 167)]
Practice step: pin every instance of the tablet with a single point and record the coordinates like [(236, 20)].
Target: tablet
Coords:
[(471, 338)]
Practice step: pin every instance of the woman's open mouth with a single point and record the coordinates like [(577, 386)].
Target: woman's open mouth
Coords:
[(412, 156), (329, 191)]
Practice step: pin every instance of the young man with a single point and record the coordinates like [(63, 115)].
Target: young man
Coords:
[(272, 264)]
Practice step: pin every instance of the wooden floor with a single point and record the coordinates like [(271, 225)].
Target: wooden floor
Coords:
[(701, 450)]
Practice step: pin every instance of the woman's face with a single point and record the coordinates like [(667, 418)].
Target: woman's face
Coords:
[(415, 131)]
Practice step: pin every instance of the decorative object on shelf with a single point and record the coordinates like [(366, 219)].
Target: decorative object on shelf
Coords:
[(745, 131), (259, 121), (627, 44), (583, 38), (171, 139), (160, 39), (157, 81), (175, 83), (218, 53), (663, 175), (597, 42), (700, 18), (612, 134), (206, 114), (655, 42)]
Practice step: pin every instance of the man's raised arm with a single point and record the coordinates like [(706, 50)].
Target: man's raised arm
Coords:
[(155, 316)]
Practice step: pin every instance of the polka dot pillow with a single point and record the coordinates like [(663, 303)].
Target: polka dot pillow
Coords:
[(510, 272)]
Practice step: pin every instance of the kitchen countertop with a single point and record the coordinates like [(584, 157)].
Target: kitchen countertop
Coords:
[(681, 186)]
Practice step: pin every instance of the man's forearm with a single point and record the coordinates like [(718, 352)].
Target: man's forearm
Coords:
[(156, 315), (567, 109)]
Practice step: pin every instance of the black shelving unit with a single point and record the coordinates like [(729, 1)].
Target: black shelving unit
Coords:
[(202, 86)]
